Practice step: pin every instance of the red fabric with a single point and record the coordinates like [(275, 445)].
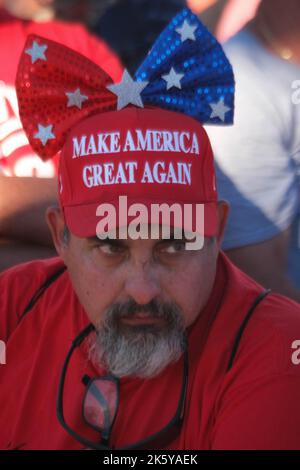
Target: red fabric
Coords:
[(16, 156), (253, 406), (80, 199), (5, 16), (42, 85)]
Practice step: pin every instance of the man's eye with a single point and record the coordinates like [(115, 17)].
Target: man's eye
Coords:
[(110, 249), (174, 247)]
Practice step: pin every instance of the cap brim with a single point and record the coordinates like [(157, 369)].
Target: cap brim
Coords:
[(83, 221)]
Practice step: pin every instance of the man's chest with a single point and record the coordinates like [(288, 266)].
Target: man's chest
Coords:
[(30, 392)]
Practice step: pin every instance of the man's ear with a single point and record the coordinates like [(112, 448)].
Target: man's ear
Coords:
[(223, 212), (56, 224)]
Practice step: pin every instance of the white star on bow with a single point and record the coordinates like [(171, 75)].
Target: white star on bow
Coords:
[(219, 110), (173, 79), (187, 31), (76, 98), (128, 91), (44, 134), (37, 52)]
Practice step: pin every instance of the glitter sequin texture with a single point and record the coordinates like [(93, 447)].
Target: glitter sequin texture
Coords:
[(42, 86), (208, 76)]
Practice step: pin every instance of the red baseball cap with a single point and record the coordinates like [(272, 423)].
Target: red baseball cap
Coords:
[(150, 155)]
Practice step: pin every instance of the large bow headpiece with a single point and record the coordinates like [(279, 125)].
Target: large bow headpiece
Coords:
[(186, 71)]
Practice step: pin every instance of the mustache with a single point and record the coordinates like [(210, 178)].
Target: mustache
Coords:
[(155, 308), (142, 350)]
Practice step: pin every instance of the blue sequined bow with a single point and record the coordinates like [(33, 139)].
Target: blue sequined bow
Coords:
[(188, 72)]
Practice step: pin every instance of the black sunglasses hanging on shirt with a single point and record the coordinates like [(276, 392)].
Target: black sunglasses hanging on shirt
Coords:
[(100, 406)]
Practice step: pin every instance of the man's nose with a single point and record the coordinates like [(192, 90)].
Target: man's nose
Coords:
[(142, 283)]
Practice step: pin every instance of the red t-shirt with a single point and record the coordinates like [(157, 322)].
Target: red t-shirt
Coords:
[(254, 405), (5, 16), (16, 156)]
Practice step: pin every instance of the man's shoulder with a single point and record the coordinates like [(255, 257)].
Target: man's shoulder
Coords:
[(280, 314), (19, 285), (271, 335), (27, 276), (241, 42), (249, 58), (259, 334), (273, 314), (244, 45)]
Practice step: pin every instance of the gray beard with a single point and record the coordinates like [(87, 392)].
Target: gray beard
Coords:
[(138, 351)]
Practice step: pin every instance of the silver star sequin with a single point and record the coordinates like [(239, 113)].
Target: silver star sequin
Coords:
[(75, 98), (37, 52), (128, 91), (44, 134), (187, 31), (219, 110), (173, 79)]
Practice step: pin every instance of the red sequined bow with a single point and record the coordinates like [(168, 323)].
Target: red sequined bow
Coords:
[(56, 88)]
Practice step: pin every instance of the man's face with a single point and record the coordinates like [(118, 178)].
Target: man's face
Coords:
[(141, 295), (105, 273)]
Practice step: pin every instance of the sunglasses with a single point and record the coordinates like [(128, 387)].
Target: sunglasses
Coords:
[(101, 402)]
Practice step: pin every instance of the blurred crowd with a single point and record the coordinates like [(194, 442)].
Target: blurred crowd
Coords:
[(257, 159)]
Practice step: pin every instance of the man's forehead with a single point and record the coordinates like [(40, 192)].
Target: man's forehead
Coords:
[(155, 233)]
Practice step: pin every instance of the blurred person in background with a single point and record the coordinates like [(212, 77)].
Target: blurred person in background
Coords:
[(145, 19), (235, 14), (4, 15), (224, 17), (27, 185), (210, 11), (132, 39), (259, 157)]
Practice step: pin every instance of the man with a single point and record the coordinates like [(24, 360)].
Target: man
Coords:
[(28, 175), (123, 335), (259, 157)]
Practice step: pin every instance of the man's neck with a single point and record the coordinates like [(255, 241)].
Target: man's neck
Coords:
[(41, 15), (279, 34)]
